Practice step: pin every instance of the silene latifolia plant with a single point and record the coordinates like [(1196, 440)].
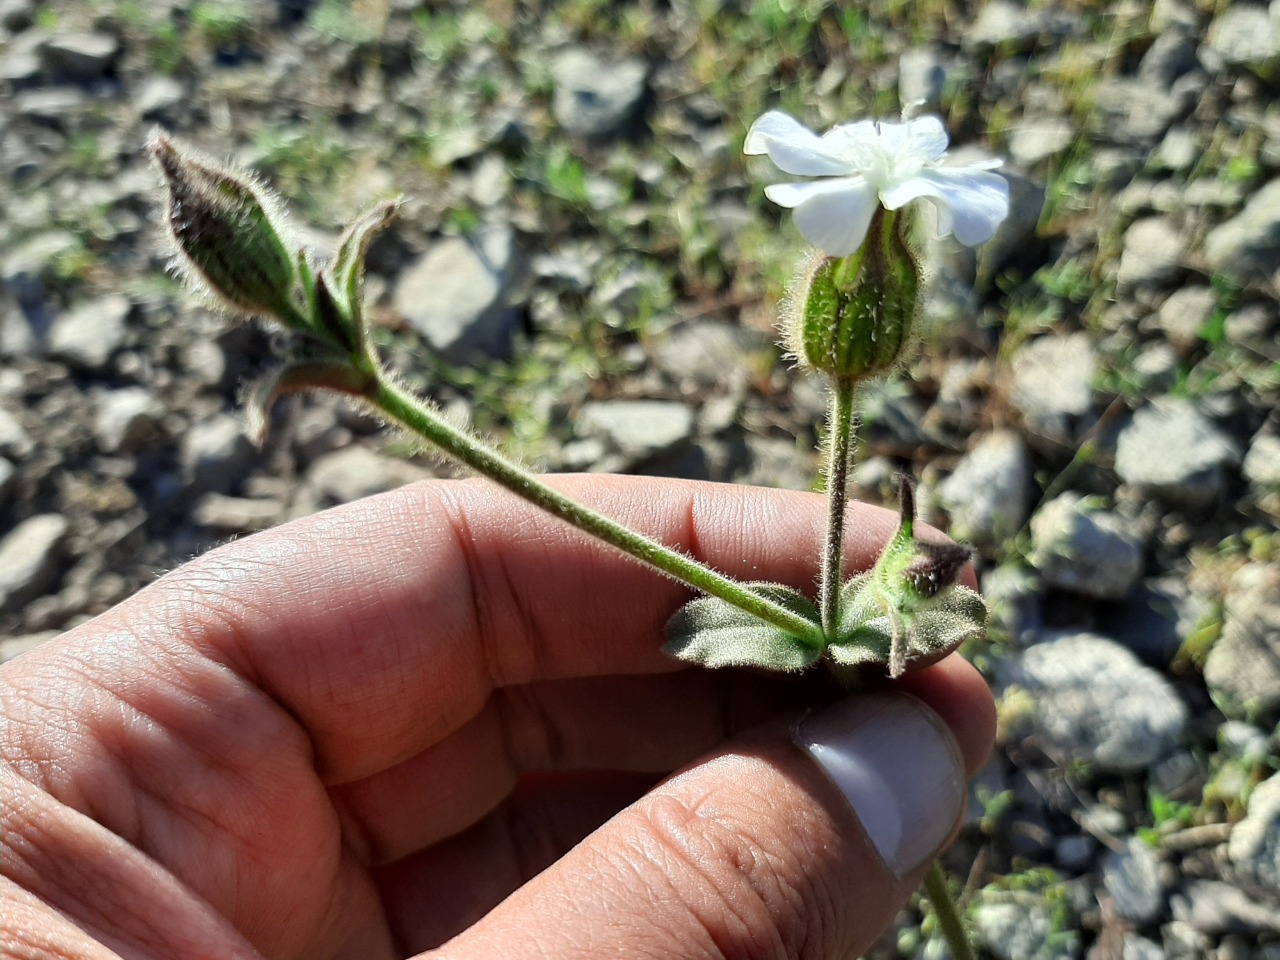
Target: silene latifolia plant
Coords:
[(851, 316)]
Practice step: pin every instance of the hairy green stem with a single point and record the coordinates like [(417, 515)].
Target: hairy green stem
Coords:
[(839, 448), (411, 413), (944, 908)]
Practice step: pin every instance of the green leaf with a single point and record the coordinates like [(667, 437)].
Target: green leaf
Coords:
[(347, 266), (291, 378), (713, 633), (869, 618)]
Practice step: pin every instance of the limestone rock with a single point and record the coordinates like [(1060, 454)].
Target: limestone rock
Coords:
[(1091, 700), (29, 558), (595, 97), (457, 296), (1082, 548), (1243, 668)]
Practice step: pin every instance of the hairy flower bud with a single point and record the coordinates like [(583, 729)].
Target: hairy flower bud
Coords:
[(227, 233), (852, 317)]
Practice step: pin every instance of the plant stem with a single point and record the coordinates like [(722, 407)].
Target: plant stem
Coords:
[(417, 417), (944, 908), (839, 447)]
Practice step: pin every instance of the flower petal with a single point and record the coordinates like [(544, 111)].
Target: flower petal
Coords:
[(928, 138), (972, 203), (793, 147), (856, 135), (833, 215)]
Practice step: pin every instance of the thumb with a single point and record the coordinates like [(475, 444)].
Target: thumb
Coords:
[(800, 841)]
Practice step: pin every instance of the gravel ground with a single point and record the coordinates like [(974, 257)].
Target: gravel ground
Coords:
[(1095, 407)]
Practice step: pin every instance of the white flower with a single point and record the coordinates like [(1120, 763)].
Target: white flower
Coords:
[(868, 163)]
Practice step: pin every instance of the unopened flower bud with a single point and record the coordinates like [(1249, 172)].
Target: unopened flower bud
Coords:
[(227, 233), (852, 317), (934, 568)]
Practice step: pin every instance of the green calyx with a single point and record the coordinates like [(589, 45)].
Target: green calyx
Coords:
[(227, 233), (852, 317)]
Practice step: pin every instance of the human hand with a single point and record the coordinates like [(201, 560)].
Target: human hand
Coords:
[(386, 728)]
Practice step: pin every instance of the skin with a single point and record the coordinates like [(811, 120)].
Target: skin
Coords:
[(437, 720)]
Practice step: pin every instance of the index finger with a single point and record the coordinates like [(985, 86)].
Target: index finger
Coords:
[(384, 625)]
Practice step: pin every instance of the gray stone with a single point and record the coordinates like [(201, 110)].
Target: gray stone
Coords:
[(1174, 451), (14, 440), (637, 430), (30, 559), (8, 480), (460, 141), (1178, 151), (1053, 383), (1075, 853), (125, 419), (1254, 847), (573, 266), (922, 77), (215, 454), (1140, 948), (1154, 248), (1013, 596), (88, 335), (205, 361), (701, 354), (220, 512), (1101, 820), (1209, 193), (1243, 668), (315, 432), (1182, 941), (775, 461), (1247, 247), (1238, 740), (1132, 878), (1184, 314), (17, 15), (595, 97), (1090, 699), (583, 455), (157, 96), (52, 105), (1261, 465), (1215, 908), (1133, 111), (1082, 548), (1004, 24), (1244, 35), (1253, 325), (1157, 618), (80, 56), (457, 296), (1026, 203), (1173, 15), (356, 472), (1156, 367), (34, 259), (19, 63), (989, 492), (490, 181), (1171, 54), (1022, 928), (1036, 139)]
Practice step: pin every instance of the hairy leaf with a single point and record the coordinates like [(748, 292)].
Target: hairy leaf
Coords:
[(869, 621), (714, 633)]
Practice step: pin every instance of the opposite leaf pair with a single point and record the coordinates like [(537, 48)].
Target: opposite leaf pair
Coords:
[(905, 612)]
